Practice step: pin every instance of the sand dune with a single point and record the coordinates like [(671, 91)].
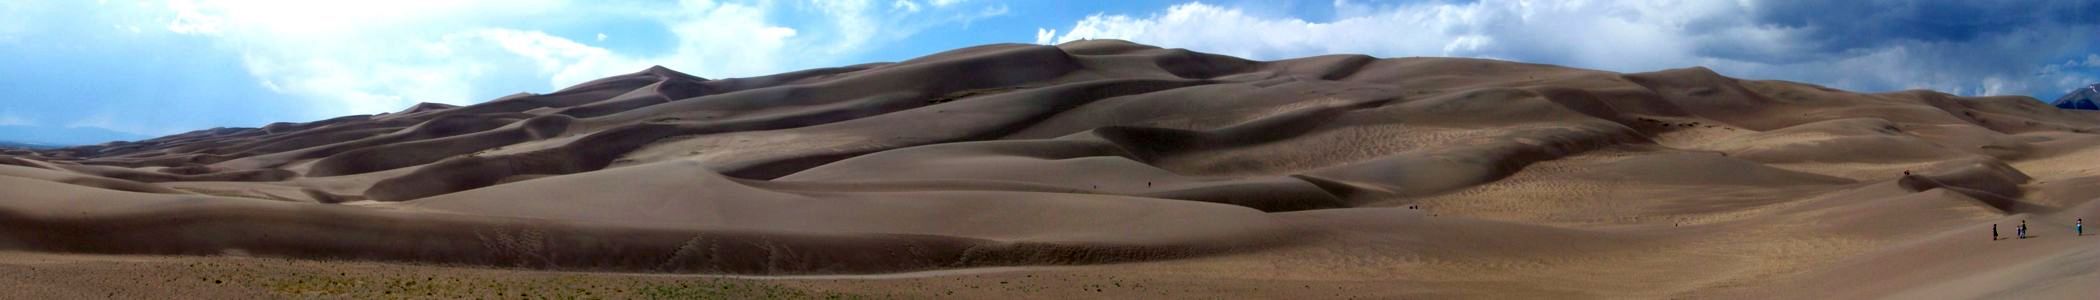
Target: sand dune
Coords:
[(1431, 177)]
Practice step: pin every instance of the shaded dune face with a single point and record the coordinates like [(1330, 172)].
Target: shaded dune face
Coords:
[(1089, 152)]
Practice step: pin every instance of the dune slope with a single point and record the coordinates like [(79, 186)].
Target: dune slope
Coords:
[(1441, 177)]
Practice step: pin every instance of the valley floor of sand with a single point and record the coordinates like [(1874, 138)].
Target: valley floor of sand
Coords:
[(2050, 264), (73, 276)]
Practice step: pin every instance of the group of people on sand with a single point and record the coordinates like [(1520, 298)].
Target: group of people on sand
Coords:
[(2078, 227)]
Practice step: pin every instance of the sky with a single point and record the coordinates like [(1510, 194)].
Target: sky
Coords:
[(131, 69)]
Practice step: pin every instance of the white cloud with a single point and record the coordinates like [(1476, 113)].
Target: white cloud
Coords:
[(10, 119), (939, 3), (116, 123), (905, 5), (1625, 36), (374, 56), (2092, 60), (1573, 30), (552, 55), (353, 57), (190, 18), (16, 17), (1045, 35), (1576, 32), (965, 18), (851, 20)]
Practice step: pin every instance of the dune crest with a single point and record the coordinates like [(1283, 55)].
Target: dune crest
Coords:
[(1684, 182)]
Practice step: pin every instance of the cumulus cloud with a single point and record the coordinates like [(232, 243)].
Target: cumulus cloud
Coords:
[(374, 56), (1954, 46), (1045, 36), (354, 57)]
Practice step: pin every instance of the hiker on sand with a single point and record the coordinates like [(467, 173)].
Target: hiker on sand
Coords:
[(1994, 231), (2023, 229), (2080, 226)]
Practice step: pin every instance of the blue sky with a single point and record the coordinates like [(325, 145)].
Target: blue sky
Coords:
[(162, 67)]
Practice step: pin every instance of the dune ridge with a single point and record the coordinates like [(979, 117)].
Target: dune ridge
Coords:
[(1446, 176)]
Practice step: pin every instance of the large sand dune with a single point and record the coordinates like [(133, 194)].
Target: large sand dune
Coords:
[(1417, 177)]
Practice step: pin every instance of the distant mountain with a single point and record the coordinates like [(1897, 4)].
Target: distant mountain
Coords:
[(2081, 98), (63, 136), (19, 145)]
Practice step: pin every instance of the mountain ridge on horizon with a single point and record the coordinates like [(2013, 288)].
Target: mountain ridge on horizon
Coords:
[(65, 136), (2080, 98), (28, 146)]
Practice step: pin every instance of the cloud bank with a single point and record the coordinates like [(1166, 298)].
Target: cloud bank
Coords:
[(1962, 47), (374, 56)]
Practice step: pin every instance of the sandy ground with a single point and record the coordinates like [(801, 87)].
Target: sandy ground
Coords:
[(1093, 169)]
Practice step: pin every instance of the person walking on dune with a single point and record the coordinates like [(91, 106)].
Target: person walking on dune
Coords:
[(1994, 231), (2080, 226), (2022, 229)]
